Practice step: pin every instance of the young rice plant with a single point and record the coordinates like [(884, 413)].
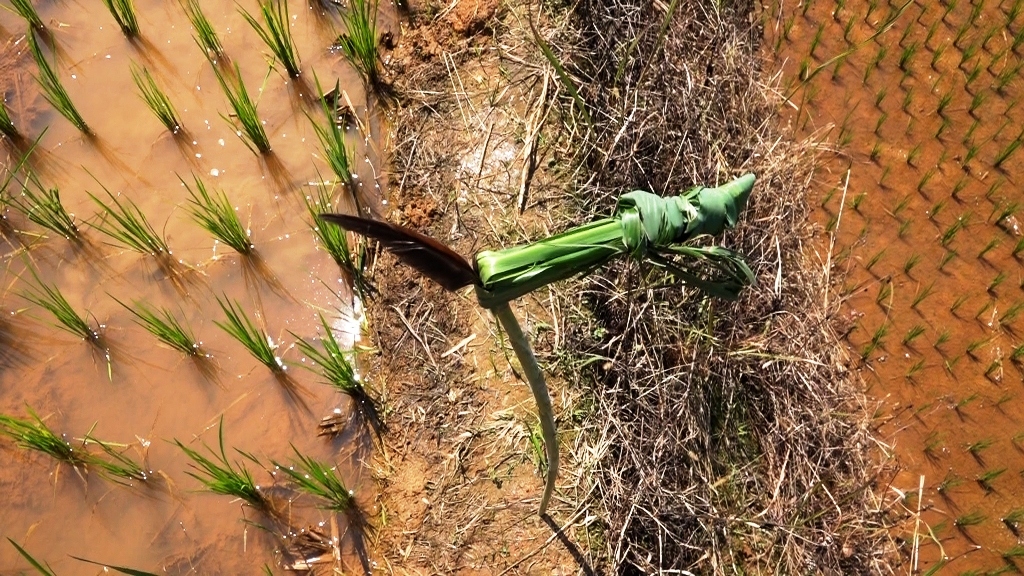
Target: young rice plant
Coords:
[(277, 34), (241, 328), (123, 221), (220, 476), (206, 38), (163, 324), (156, 99), (53, 90), (123, 12), (252, 132), (215, 214)]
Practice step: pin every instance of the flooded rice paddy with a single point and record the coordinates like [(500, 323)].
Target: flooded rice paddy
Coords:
[(149, 395), (922, 101)]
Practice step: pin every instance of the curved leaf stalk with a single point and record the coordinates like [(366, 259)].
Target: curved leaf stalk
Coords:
[(535, 378)]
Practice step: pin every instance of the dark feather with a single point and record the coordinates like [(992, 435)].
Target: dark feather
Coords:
[(431, 258)]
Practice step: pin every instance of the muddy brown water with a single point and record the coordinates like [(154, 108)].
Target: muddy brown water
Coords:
[(155, 395), (920, 115)]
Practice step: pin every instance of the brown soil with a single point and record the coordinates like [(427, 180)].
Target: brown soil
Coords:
[(921, 213), (460, 485)]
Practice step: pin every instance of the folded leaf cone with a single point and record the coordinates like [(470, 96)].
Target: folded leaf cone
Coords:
[(645, 226)]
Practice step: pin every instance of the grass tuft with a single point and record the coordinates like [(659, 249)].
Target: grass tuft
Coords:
[(220, 476), (277, 34), (216, 216), (163, 324), (123, 221), (332, 138), (334, 240), (206, 38), (53, 90), (43, 206), (315, 478), (7, 127), (123, 12), (49, 298), (252, 132), (241, 328), (156, 99), (359, 42), (25, 9)]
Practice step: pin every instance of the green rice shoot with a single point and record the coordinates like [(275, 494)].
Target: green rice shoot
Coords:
[(221, 476), (334, 363), (240, 327), (332, 138), (43, 206), (156, 99), (49, 298), (25, 9), (334, 239), (53, 90), (252, 133), (216, 215), (319, 480), (117, 466), (166, 327), (44, 570), (123, 12), (206, 38), (34, 434), (277, 34), (359, 43), (122, 220), (7, 127)]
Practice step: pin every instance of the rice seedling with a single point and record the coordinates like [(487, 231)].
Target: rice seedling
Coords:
[(974, 345), (978, 447), (25, 9), (986, 478), (874, 260), (334, 363), (1006, 397), (900, 206), (992, 189), (921, 295), (992, 244), (948, 483), (877, 340), (950, 6), (857, 200), (107, 567), (1013, 518), (970, 519), (165, 326), (241, 328), (1007, 151), (1018, 248), (904, 227), (913, 334), (44, 570), (976, 103), (43, 206), (332, 139), (123, 12), (335, 240), (949, 234), (1005, 76), (1017, 551), (49, 298), (946, 258), (206, 38), (999, 279), (913, 154), (277, 35), (117, 466), (972, 149), (1012, 312), (914, 369), (34, 434), (7, 127), (1017, 354), (848, 28), (216, 215), (156, 99), (957, 189), (817, 38), (359, 43), (221, 476), (993, 367), (925, 179), (122, 220), (318, 479), (53, 90), (942, 339), (252, 133), (906, 56)]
